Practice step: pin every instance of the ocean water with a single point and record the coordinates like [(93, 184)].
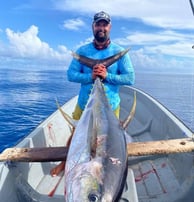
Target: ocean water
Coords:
[(28, 97)]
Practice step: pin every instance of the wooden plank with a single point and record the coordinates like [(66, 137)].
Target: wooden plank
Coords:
[(39, 154), (161, 147), (46, 154)]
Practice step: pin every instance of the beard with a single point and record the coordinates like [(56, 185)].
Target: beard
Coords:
[(99, 37)]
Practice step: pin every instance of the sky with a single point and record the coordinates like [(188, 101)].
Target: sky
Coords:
[(41, 34)]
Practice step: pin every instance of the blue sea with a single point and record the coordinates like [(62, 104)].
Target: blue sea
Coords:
[(28, 97)]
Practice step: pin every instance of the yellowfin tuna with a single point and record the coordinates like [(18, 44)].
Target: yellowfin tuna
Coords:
[(96, 166)]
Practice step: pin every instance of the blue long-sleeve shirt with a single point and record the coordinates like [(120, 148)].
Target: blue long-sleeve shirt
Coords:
[(119, 73)]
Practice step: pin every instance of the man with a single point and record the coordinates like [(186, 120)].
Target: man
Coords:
[(119, 73)]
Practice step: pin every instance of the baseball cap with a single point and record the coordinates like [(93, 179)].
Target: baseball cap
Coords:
[(102, 16)]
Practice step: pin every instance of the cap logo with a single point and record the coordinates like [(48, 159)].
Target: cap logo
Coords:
[(101, 16)]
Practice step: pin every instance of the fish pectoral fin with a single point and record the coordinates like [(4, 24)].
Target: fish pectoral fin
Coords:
[(70, 120), (126, 122)]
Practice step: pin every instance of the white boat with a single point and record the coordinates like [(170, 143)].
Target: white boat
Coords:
[(151, 178)]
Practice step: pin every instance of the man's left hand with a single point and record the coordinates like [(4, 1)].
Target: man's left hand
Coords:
[(99, 70)]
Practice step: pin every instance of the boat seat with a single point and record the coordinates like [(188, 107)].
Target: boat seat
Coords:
[(26, 193), (129, 193)]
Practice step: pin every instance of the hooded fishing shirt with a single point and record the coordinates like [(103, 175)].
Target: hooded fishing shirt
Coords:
[(119, 73)]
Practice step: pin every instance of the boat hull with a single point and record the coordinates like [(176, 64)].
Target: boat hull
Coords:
[(154, 178)]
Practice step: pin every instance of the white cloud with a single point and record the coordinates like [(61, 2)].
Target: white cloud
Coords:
[(143, 38), (73, 24), (165, 42), (164, 13), (159, 63), (162, 51), (86, 41), (148, 49), (176, 50), (27, 45)]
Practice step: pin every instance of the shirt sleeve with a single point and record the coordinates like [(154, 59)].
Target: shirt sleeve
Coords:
[(125, 76), (75, 73)]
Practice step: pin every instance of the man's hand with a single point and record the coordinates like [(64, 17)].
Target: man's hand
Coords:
[(99, 70)]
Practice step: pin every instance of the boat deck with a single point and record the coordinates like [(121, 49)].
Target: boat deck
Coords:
[(154, 178), (158, 178), (46, 185)]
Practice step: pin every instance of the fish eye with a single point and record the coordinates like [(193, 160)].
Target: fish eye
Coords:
[(93, 197)]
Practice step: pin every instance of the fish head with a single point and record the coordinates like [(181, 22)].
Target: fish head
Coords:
[(85, 184), (91, 190)]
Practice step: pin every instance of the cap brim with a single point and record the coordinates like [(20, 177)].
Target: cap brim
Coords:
[(99, 19)]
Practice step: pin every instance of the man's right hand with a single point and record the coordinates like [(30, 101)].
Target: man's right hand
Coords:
[(99, 70)]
